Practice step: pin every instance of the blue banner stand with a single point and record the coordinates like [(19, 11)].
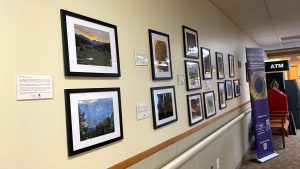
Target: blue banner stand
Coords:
[(259, 104)]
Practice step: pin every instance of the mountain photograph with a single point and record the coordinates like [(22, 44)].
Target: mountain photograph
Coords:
[(96, 118), (92, 46)]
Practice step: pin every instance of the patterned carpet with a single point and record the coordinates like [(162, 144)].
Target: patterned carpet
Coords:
[(289, 158)]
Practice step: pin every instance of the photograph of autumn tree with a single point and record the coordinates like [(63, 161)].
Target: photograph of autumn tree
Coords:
[(161, 56), (92, 46), (96, 118), (165, 105)]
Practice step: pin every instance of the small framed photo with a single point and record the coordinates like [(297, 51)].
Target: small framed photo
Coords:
[(192, 72), (90, 46), (231, 65), (220, 65), (94, 118), (222, 95), (190, 41), (237, 90), (160, 55), (229, 89), (163, 106), (206, 63), (195, 108), (209, 104)]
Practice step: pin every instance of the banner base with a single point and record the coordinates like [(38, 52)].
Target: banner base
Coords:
[(268, 157)]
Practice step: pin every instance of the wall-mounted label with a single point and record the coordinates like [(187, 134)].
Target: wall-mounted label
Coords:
[(33, 87), (282, 65), (142, 111), (141, 58), (181, 79)]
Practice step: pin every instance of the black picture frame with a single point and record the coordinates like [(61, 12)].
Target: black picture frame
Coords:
[(161, 65), (206, 63), (90, 46), (229, 89), (209, 104), (88, 111), (190, 41), (192, 73), (231, 65), (195, 108), (222, 95), (163, 113), (237, 88), (220, 65)]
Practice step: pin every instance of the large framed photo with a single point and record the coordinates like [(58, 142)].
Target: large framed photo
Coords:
[(192, 71), (229, 89), (90, 46), (220, 65), (94, 118), (195, 108), (209, 104), (190, 41), (222, 95), (163, 106), (160, 55), (206, 63), (231, 65), (237, 90)]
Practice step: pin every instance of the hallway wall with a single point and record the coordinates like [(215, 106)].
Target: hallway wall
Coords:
[(33, 133)]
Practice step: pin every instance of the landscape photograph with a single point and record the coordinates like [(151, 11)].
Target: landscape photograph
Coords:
[(191, 44), (195, 108), (193, 75), (164, 105), (92, 46), (96, 117)]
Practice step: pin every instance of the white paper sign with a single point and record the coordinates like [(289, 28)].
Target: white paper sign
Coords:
[(180, 79), (141, 58), (34, 87), (142, 111)]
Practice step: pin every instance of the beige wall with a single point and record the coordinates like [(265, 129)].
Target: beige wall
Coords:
[(33, 133)]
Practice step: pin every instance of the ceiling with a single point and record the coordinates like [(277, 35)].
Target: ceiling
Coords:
[(272, 24)]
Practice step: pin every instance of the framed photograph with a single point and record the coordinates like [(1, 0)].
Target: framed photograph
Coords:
[(231, 65), (229, 89), (206, 63), (190, 41), (220, 65), (192, 72), (160, 55), (222, 95), (90, 46), (163, 106), (195, 108), (237, 90), (94, 118), (209, 104)]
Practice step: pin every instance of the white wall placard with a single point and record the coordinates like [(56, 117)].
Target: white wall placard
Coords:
[(181, 79), (34, 87), (141, 58), (142, 111)]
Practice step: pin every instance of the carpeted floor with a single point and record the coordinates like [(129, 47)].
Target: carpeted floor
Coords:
[(289, 158)]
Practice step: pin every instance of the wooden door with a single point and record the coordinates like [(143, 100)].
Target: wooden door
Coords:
[(293, 73)]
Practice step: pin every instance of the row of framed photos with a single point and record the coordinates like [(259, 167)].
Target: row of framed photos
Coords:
[(91, 49), (94, 115)]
